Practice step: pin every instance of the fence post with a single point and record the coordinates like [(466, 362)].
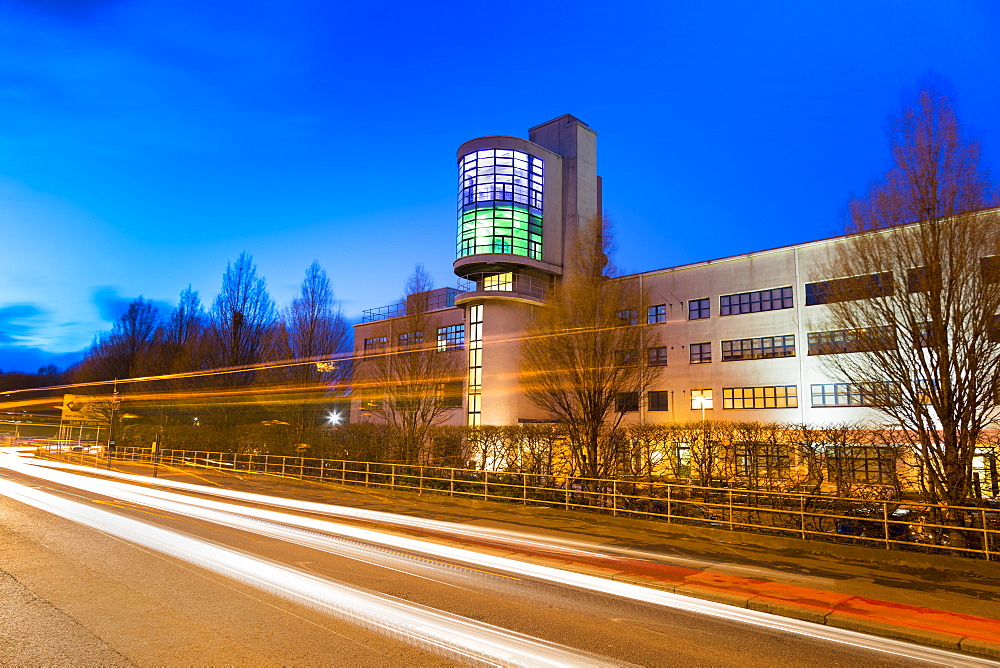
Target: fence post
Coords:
[(302, 468), (284, 460), (420, 484), (451, 484), (567, 493), (392, 476), (367, 472), (730, 510), (885, 523), (802, 516), (986, 533), (486, 484), (524, 489), (614, 498), (670, 508), (343, 471)]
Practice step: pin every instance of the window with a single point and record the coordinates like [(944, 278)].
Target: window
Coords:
[(922, 279), (374, 344), (451, 337), (849, 289), (656, 356), (475, 381), (628, 402), (762, 459), (449, 394), (825, 395), (656, 314), (411, 339), (774, 396), (850, 340), (657, 400), (701, 353), (763, 348), (754, 302), (500, 203), (501, 282), (861, 464), (629, 315), (628, 358), (701, 400), (699, 308), (989, 269)]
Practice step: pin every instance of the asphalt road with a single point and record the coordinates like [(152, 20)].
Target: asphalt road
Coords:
[(77, 594)]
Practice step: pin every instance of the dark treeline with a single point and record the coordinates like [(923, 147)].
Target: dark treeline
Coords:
[(195, 361)]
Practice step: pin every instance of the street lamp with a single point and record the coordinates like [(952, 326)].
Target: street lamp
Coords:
[(700, 402), (333, 417)]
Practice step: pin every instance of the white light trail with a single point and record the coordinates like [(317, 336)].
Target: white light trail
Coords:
[(442, 633), (480, 560)]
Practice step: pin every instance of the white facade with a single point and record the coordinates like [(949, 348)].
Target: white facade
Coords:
[(505, 281)]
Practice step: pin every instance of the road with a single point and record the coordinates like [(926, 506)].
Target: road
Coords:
[(166, 573)]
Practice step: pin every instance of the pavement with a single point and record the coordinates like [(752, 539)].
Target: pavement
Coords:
[(935, 600)]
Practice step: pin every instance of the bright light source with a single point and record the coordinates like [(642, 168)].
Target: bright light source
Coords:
[(333, 417)]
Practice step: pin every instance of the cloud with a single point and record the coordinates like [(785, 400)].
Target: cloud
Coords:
[(12, 325), (30, 360), (112, 306)]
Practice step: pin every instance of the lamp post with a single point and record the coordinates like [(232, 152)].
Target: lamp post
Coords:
[(699, 402), (111, 424)]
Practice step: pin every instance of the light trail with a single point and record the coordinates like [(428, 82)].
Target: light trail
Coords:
[(439, 632), (480, 560)]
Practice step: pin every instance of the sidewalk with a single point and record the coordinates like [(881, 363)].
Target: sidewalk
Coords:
[(935, 600)]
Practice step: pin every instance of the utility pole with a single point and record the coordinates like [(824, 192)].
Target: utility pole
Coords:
[(111, 424)]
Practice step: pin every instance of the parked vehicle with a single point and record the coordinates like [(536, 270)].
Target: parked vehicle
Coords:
[(870, 523)]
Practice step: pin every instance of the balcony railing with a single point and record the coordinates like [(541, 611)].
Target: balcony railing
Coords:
[(512, 282), (434, 300)]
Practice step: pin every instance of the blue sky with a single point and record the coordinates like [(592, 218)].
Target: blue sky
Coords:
[(146, 143)]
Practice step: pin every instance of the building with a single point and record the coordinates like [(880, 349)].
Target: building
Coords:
[(739, 338)]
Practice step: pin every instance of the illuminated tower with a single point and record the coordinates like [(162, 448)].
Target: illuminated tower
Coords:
[(521, 204)]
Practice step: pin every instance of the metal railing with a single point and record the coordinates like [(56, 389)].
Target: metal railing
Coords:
[(970, 531), (513, 282), (434, 300)]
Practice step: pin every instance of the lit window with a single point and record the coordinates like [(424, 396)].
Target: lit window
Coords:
[(656, 314), (451, 337), (754, 302), (475, 378), (701, 353), (501, 282), (701, 400), (699, 309), (500, 203), (775, 396), (656, 356)]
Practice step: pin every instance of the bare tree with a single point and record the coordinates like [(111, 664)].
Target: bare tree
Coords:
[(405, 378), (242, 318), (582, 362), (919, 296), (316, 336), (125, 351)]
